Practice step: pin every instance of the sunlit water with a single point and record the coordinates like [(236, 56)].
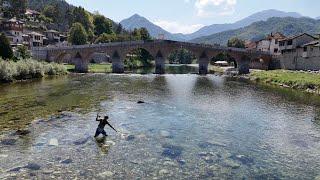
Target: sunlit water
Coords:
[(190, 127)]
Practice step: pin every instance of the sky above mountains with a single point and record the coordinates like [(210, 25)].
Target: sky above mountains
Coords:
[(187, 16)]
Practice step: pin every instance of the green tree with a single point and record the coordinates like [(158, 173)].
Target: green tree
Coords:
[(5, 48), (50, 12), (181, 56), (144, 34), (80, 15), (23, 52), (119, 29), (77, 34), (136, 34), (18, 7), (106, 38), (101, 25), (236, 43)]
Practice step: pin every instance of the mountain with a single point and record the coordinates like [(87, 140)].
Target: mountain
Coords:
[(287, 25), (137, 21), (317, 18), (260, 16)]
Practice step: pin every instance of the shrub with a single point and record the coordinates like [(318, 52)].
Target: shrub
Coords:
[(27, 69), (8, 71)]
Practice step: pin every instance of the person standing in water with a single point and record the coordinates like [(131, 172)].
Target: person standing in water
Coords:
[(102, 123)]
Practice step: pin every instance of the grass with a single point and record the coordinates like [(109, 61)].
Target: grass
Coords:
[(216, 69), (93, 68), (293, 79)]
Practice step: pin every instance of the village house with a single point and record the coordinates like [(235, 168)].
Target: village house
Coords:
[(32, 15), (55, 38), (250, 45), (13, 29), (292, 43), (271, 43), (303, 57), (35, 39)]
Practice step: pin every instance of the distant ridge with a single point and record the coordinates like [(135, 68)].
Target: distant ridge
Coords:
[(137, 21), (287, 25)]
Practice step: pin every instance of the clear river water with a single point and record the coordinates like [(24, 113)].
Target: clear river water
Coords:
[(190, 127)]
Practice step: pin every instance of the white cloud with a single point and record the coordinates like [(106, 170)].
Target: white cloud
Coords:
[(209, 8), (175, 27)]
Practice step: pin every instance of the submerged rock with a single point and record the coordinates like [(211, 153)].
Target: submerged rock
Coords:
[(66, 161), (81, 141), (165, 134), (53, 142), (8, 142), (140, 102), (231, 163), (32, 166), (243, 159), (172, 151), (22, 132), (163, 172), (130, 138)]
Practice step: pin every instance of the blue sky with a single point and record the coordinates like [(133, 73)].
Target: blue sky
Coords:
[(187, 16)]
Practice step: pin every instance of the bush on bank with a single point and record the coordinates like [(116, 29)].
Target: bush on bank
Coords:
[(28, 69)]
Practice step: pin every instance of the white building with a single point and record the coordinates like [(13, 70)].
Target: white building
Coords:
[(271, 43)]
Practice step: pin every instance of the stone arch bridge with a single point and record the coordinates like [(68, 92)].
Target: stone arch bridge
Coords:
[(160, 49)]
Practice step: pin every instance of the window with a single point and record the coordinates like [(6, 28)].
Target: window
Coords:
[(305, 49), (290, 42), (282, 43), (275, 50)]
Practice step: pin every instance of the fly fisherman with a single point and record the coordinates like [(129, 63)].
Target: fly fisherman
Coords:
[(102, 123)]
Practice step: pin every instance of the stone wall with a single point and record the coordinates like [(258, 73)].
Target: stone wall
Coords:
[(301, 60)]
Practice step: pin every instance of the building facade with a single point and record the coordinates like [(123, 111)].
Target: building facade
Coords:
[(271, 43), (304, 57)]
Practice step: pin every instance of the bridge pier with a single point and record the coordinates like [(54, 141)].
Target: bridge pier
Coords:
[(160, 65), (203, 66), (117, 65), (81, 66), (244, 66)]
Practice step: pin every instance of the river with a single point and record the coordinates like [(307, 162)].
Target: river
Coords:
[(189, 127)]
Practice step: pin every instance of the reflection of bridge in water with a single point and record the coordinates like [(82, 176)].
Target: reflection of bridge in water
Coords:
[(160, 49)]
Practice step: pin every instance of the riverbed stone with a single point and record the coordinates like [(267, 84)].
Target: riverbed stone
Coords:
[(317, 177), (171, 151), (33, 166), (106, 174), (53, 142), (8, 142)]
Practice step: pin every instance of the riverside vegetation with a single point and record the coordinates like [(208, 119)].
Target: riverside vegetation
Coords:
[(299, 80), (28, 69)]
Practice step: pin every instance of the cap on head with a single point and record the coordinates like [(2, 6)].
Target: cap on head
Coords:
[(106, 117)]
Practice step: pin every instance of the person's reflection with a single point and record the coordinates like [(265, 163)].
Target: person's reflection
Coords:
[(103, 146)]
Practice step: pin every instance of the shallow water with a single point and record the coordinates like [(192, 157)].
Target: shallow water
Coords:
[(190, 127)]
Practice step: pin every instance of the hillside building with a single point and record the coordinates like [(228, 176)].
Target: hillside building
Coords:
[(271, 43)]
